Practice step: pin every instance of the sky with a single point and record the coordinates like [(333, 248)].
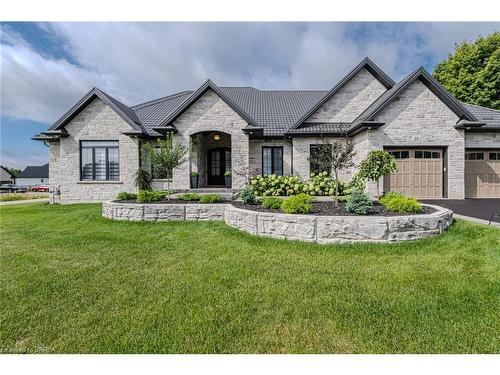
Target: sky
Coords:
[(45, 68)]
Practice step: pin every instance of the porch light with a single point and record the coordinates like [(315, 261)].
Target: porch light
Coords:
[(216, 137)]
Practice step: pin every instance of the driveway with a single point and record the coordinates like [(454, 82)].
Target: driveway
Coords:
[(478, 208)]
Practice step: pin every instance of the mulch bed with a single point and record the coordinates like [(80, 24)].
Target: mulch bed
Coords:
[(329, 209)]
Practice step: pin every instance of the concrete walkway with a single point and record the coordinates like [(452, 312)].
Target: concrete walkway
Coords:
[(10, 203)]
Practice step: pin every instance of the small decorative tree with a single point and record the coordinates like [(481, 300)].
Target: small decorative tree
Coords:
[(143, 179), (168, 156), (334, 156), (377, 164)]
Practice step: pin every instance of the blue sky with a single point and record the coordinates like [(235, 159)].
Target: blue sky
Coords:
[(46, 67)]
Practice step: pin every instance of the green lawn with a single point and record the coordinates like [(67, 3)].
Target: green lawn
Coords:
[(71, 282)]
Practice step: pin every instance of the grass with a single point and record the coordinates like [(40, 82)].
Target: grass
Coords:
[(21, 197), (73, 282)]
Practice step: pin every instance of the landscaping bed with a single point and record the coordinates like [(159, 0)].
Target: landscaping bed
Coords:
[(329, 209), (171, 201)]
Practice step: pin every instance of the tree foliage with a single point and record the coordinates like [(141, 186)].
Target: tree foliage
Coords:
[(377, 163), (472, 72), (334, 157), (168, 156)]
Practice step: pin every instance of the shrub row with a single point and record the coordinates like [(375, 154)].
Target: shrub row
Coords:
[(396, 202), (148, 196)]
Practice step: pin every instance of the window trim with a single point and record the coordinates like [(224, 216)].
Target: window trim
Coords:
[(93, 158), (272, 159)]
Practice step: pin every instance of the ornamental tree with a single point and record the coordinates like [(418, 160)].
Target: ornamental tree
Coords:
[(167, 156), (377, 164), (334, 156)]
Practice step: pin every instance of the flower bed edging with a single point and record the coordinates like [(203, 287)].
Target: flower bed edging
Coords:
[(309, 228)]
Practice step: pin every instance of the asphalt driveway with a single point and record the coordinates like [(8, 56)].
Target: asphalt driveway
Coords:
[(478, 208)]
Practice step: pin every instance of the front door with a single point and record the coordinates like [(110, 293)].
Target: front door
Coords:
[(219, 160)]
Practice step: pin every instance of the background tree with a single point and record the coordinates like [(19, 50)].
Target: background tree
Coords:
[(333, 156), (377, 164), (14, 171), (472, 72), (168, 156)]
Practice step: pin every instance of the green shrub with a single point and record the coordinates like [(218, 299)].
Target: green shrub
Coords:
[(147, 196), (210, 198), (357, 183), (247, 195), (272, 202), (359, 203), (189, 197), (298, 204), (396, 202), (124, 196)]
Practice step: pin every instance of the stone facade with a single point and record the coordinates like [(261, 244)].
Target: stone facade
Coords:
[(208, 114), (351, 100), (307, 228), (417, 117), (96, 122), (482, 140)]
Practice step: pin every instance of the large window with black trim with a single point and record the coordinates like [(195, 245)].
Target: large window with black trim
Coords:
[(99, 161), (272, 160)]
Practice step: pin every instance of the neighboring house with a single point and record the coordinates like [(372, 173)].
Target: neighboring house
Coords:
[(6, 177), (444, 148), (34, 175)]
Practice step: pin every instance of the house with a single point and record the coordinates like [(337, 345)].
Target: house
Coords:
[(34, 175), (6, 177), (444, 148)]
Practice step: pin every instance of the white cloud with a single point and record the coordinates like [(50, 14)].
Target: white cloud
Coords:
[(141, 61)]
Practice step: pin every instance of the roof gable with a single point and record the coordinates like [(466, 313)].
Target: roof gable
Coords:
[(125, 112), (208, 85), (367, 64), (429, 81), (35, 171)]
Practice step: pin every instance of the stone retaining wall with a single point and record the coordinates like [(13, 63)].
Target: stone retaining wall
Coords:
[(309, 228)]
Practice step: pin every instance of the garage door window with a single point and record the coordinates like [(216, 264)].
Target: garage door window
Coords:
[(494, 156), (400, 154), (427, 155), (474, 156)]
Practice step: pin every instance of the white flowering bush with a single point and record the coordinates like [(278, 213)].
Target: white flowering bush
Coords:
[(273, 185)]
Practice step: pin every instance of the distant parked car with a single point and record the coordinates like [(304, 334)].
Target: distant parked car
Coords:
[(40, 188), (11, 188)]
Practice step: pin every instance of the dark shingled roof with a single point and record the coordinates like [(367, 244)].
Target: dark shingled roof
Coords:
[(276, 112), (490, 116), (31, 171)]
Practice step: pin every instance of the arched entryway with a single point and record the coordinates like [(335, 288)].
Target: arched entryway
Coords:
[(211, 157)]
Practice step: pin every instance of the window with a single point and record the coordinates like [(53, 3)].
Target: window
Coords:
[(474, 156), (427, 155), (272, 160), (494, 156), (400, 154), (317, 164), (99, 160)]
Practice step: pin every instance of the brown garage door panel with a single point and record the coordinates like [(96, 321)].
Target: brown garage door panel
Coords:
[(482, 177), (420, 177)]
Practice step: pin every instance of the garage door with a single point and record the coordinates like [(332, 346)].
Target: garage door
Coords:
[(419, 175), (482, 174)]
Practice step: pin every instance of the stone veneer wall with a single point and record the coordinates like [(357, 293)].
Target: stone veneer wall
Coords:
[(96, 122), (482, 140), (419, 118), (352, 99), (309, 228), (211, 113)]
